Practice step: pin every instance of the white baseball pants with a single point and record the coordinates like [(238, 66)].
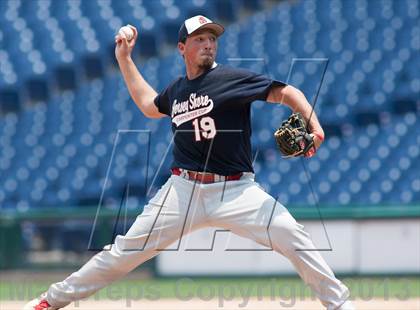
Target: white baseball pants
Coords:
[(182, 206)]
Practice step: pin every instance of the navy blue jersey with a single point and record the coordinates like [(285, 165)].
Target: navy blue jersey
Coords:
[(211, 118)]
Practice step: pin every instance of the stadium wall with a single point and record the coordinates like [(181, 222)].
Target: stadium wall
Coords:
[(353, 246), (354, 240)]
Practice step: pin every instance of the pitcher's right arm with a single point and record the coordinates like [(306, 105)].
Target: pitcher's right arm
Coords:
[(141, 92)]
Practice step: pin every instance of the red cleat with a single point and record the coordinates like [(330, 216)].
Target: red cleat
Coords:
[(39, 303)]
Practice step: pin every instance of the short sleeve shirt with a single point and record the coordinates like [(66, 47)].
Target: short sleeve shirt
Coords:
[(211, 118)]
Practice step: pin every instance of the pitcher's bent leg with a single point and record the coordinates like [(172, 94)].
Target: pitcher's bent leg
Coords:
[(249, 211), (289, 238)]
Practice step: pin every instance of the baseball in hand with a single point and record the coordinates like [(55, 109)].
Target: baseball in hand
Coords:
[(127, 32)]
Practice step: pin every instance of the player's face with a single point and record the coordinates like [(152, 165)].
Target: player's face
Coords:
[(200, 49)]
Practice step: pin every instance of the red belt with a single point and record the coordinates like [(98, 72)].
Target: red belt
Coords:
[(204, 177)]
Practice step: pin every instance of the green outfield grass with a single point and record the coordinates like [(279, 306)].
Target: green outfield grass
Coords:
[(207, 288)]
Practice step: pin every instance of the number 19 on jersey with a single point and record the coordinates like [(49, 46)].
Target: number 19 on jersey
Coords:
[(204, 127)]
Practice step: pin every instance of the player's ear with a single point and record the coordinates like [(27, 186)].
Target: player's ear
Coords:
[(181, 48)]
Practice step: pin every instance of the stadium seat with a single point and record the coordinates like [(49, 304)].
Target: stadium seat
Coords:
[(60, 53)]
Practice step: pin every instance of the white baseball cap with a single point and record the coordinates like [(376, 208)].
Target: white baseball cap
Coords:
[(198, 22)]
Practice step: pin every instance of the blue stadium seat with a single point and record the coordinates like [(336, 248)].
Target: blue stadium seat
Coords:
[(60, 149)]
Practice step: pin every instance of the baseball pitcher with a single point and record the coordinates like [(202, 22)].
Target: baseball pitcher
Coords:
[(212, 182)]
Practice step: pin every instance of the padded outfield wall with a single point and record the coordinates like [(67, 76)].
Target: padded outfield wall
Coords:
[(358, 240)]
